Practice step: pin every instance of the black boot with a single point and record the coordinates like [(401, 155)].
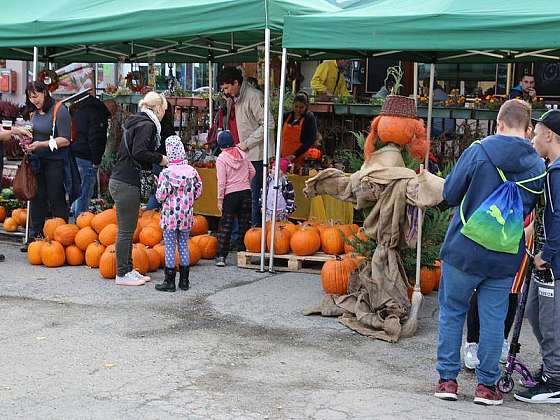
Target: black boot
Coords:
[(184, 277), (168, 284)]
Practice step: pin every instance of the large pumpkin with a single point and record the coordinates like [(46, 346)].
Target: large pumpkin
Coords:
[(10, 225), (153, 259), (108, 265), (103, 219), (150, 235), (84, 219), (52, 254), (20, 216), (74, 255), (65, 234), (34, 252), (207, 244), (140, 260), (200, 226), (281, 241), (108, 235), (335, 275), (305, 241), (50, 226), (94, 252), (252, 240), (85, 237), (160, 249), (194, 254), (2, 213), (332, 241)]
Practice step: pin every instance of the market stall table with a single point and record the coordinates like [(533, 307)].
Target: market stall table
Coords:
[(321, 208)]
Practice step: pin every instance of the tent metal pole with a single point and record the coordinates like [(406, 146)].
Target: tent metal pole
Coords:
[(265, 145), (508, 78), (210, 92), (277, 157), (35, 71), (415, 89)]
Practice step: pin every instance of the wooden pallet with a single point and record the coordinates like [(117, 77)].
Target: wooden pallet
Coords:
[(310, 264)]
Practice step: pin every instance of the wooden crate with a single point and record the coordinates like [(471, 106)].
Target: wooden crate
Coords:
[(309, 264)]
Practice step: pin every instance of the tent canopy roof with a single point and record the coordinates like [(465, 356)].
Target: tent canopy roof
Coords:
[(434, 30)]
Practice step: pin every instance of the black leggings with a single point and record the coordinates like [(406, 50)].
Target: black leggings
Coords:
[(236, 205), (473, 323)]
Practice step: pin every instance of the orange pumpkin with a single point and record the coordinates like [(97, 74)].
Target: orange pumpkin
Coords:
[(305, 241), (20, 216), (156, 218), (2, 213), (85, 237), (200, 226), (335, 275), (160, 249), (34, 252), (427, 279), (313, 154), (355, 228), (103, 219), (437, 274), (252, 240), (50, 226), (318, 228), (345, 229), (94, 252), (84, 219), (281, 241), (10, 225), (332, 242), (108, 235), (74, 255), (140, 260), (65, 234), (153, 259), (110, 248), (108, 265), (207, 244), (151, 236), (136, 235), (52, 254), (194, 254)]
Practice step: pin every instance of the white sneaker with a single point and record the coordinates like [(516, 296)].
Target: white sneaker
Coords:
[(137, 275), (505, 352), (470, 357), (129, 280)]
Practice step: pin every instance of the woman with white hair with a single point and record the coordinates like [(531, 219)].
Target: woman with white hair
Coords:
[(137, 152)]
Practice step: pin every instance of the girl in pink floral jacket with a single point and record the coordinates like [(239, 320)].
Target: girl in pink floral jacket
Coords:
[(178, 186)]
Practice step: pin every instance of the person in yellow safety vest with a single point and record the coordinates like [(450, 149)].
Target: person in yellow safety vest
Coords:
[(328, 79)]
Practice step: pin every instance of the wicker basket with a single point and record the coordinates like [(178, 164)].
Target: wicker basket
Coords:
[(399, 106)]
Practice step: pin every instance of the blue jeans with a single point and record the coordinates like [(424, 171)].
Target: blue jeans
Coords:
[(89, 177), (455, 291), (152, 203), (256, 187)]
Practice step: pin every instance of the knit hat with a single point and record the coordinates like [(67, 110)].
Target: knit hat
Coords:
[(225, 139), (175, 149), (284, 164)]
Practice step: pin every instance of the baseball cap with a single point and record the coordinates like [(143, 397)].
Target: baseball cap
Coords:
[(550, 119)]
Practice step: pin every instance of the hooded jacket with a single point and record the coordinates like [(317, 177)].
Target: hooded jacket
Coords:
[(89, 126), (234, 172), (179, 185), (140, 133), (551, 248), (475, 177)]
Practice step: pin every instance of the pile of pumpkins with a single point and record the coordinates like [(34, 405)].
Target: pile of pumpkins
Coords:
[(17, 219), (309, 238), (91, 241)]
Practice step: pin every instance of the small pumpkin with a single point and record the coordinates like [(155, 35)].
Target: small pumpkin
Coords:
[(50, 226), (200, 225), (207, 244), (20, 216), (332, 241), (281, 241), (160, 249), (108, 236), (84, 219), (94, 252), (34, 252), (52, 254), (65, 234), (151, 236), (10, 225), (313, 154), (85, 237), (305, 241), (335, 275), (140, 260), (252, 240), (153, 259), (136, 235), (2, 213), (103, 219), (108, 265), (74, 255)]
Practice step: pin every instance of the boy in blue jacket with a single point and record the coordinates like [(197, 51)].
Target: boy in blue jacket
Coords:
[(467, 265), (543, 303)]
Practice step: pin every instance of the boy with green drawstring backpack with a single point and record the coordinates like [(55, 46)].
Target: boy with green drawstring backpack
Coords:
[(495, 184)]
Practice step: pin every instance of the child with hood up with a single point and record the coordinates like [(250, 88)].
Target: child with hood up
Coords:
[(234, 173), (285, 199), (179, 186)]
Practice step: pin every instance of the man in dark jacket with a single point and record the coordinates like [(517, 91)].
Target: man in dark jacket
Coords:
[(468, 266), (89, 132)]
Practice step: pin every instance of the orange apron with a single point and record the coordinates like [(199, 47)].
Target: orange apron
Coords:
[(291, 140)]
